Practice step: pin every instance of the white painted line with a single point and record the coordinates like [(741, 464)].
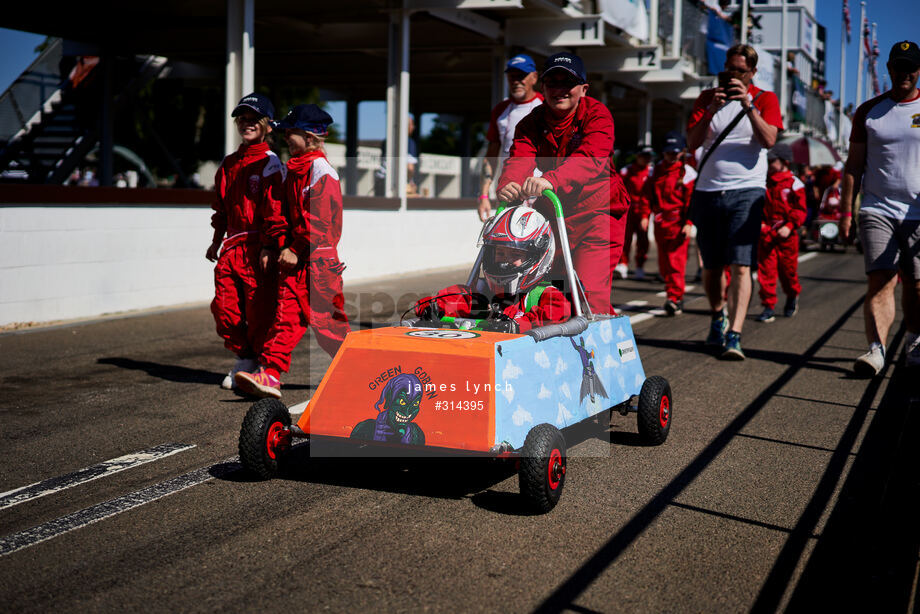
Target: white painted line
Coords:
[(641, 317), (109, 467), (637, 303), (299, 408), (90, 515), (661, 294), (807, 256), (689, 288)]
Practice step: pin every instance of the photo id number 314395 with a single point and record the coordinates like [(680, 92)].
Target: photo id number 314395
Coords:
[(466, 405)]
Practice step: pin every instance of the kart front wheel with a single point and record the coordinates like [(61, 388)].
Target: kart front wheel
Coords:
[(265, 437), (655, 408), (543, 464)]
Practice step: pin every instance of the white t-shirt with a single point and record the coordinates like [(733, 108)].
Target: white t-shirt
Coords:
[(740, 161), (891, 179)]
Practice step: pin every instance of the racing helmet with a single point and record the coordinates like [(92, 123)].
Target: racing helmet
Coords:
[(519, 228)]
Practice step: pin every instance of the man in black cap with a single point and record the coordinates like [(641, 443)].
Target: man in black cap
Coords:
[(569, 138), (885, 158)]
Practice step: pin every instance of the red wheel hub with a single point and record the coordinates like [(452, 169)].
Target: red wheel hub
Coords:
[(664, 411), (277, 440), (555, 469)]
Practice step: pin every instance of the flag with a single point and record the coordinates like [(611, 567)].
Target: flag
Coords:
[(875, 54), (846, 18), (866, 35)]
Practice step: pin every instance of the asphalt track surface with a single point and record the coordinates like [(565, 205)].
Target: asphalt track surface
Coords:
[(786, 484)]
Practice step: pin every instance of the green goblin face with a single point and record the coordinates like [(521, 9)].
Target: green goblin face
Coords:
[(402, 409)]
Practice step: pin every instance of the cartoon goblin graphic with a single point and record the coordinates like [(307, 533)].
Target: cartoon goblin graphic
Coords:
[(397, 407), (591, 385)]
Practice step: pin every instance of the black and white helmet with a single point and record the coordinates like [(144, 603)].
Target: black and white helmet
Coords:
[(519, 228)]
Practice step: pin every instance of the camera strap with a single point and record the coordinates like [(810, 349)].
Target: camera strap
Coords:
[(723, 134)]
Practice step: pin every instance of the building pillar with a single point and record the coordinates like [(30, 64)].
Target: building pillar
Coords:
[(397, 135), (240, 63), (107, 120), (351, 145)]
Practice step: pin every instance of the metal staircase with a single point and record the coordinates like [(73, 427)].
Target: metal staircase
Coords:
[(48, 124)]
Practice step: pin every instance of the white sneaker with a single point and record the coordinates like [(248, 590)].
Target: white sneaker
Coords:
[(620, 271), (870, 364), (241, 364)]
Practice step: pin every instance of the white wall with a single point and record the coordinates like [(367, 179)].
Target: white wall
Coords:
[(59, 263)]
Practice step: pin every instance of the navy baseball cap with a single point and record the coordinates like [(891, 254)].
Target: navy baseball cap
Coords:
[(256, 102), (306, 117), (522, 62), (568, 62), (906, 52), (673, 141)]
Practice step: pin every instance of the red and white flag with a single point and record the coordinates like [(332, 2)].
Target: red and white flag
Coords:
[(846, 17)]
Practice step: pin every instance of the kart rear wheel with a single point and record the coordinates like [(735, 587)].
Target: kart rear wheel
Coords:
[(543, 465), (655, 409), (265, 437)]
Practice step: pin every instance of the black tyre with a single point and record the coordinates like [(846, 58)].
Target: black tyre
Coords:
[(265, 437), (542, 473), (655, 410)]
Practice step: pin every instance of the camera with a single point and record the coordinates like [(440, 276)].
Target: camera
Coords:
[(727, 75)]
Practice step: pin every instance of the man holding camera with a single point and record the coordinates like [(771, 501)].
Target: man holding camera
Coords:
[(736, 123)]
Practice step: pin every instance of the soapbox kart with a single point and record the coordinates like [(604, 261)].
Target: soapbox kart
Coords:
[(454, 386)]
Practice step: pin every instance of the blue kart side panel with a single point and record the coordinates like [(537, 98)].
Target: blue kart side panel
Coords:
[(564, 380)]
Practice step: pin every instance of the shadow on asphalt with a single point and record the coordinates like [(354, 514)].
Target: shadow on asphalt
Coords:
[(822, 363), (569, 590), (445, 475), (172, 373), (866, 558)]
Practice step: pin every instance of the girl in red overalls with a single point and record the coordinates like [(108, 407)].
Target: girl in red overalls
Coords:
[(310, 279), (668, 192), (784, 210), (249, 186)]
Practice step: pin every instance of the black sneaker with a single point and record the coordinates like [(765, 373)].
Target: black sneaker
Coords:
[(792, 306), (717, 329), (732, 349), (673, 308), (767, 315)]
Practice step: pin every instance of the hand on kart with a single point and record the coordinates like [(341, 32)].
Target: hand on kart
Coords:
[(535, 186), (430, 312)]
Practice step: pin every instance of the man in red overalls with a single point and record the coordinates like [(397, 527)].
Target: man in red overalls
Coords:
[(668, 193), (570, 138), (635, 176), (784, 210)]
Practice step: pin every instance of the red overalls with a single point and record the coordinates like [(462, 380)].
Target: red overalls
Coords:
[(574, 156), (668, 193), (249, 185), (635, 179), (457, 301), (783, 206), (310, 295)]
